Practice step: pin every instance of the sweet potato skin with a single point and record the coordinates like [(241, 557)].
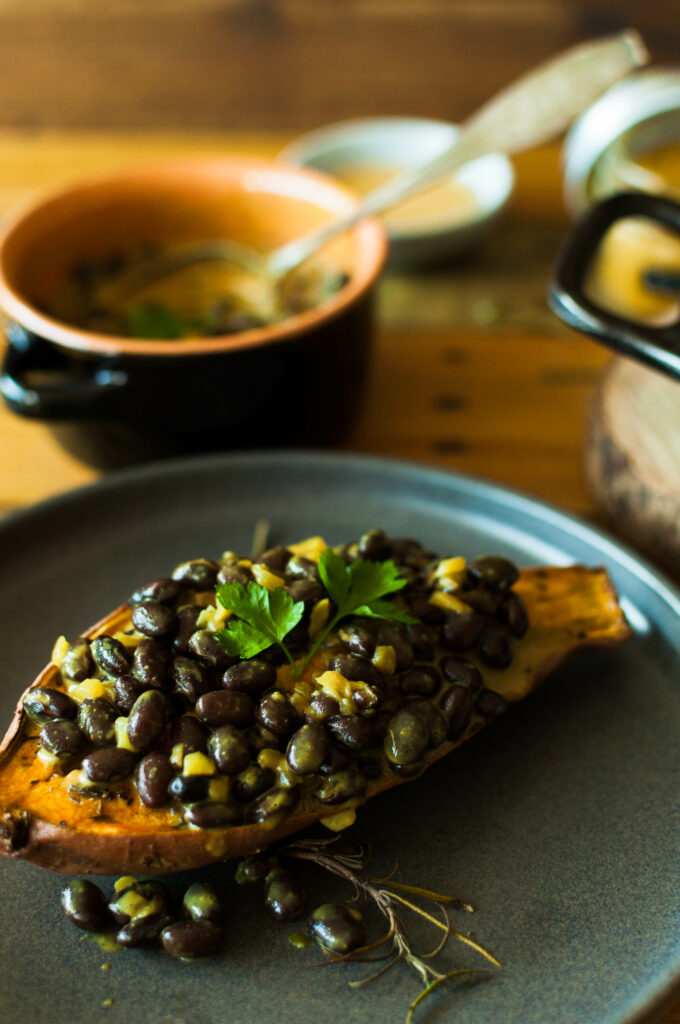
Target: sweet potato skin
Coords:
[(571, 609)]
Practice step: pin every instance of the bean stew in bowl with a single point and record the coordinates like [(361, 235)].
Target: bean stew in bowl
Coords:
[(130, 363)]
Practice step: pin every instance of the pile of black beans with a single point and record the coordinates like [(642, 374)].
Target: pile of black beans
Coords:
[(143, 915), (178, 690)]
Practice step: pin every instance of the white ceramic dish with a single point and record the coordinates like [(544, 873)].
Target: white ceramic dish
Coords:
[(406, 142)]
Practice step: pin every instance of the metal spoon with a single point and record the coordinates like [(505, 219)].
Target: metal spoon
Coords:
[(535, 108)]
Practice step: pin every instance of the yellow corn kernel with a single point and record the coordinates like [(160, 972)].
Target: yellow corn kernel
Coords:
[(385, 659), (197, 763), (59, 650), (449, 602), (218, 789), (341, 820), (265, 577), (124, 883), (312, 548), (122, 738), (342, 689), (89, 688), (128, 639), (274, 759), (319, 617), (49, 760), (212, 618)]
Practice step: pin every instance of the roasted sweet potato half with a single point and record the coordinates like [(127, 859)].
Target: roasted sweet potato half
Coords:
[(242, 757)]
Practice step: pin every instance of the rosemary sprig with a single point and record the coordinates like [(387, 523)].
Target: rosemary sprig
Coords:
[(386, 895)]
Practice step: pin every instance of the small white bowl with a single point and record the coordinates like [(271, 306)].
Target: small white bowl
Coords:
[(410, 142)]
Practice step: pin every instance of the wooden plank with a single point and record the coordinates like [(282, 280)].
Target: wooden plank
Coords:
[(285, 63)]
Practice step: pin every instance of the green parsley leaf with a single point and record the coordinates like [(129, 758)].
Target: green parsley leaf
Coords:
[(357, 588), (263, 617)]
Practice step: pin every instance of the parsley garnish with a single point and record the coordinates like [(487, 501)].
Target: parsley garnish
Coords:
[(266, 617)]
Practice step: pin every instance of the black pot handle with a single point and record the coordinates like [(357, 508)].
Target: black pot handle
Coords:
[(658, 347), (79, 388)]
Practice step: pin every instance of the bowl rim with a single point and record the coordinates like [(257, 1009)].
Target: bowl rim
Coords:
[(282, 179), (323, 141)]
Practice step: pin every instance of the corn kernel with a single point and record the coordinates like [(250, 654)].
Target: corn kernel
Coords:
[(319, 617), (89, 688), (448, 602), (385, 659), (311, 548), (59, 650), (124, 883), (197, 763), (128, 639), (218, 789), (122, 738), (341, 820), (265, 577)]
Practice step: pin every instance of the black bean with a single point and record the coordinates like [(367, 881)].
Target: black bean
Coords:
[(407, 736), (126, 690), (336, 760), (152, 778), (408, 771), (301, 568), (189, 788), (42, 704), (380, 723), (421, 680), (368, 697), (110, 656), (357, 639), (374, 545), (341, 786), (190, 733), (234, 574), (307, 748), (201, 903), (199, 574), (147, 720), (321, 707), (275, 559), (191, 940), (109, 764), (77, 662), (461, 630), (494, 572), (495, 646), (337, 929), (84, 905), (421, 641), (490, 703), (251, 783), (187, 619), (148, 896), (164, 590), (154, 619), (369, 767), (284, 895), (276, 714), (211, 814), (308, 591), (456, 705), (355, 668), (486, 602), (229, 750), (255, 868), (273, 807), (437, 726), (150, 663), (352, 731), (225, 707), (61, 738), (191, 679), (203, 645), (514, 614), (252, 677), (407, 551), (458, 669), (392, 636), (419, 604), (142, 930), (96, 720)]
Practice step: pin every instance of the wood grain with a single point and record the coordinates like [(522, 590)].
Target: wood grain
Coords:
[(294, 64)]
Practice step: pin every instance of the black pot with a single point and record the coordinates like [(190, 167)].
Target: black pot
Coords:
[(656, 346)]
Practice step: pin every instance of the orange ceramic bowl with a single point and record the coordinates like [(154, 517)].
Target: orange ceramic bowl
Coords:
[(294, 381)]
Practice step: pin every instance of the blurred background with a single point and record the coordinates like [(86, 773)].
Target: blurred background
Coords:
[(286, 64)]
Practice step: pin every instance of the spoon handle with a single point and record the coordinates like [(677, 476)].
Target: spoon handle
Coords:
[(540, 105)]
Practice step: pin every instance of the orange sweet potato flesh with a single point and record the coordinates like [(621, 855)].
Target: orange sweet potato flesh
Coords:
[(570, 609)]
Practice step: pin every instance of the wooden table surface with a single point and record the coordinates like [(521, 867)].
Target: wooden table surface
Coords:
[(471, 370)]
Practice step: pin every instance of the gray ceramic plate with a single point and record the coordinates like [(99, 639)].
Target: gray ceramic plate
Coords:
[(560, 822)]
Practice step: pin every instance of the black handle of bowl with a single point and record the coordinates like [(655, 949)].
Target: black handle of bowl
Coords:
[(79, 389), (658, 347)]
